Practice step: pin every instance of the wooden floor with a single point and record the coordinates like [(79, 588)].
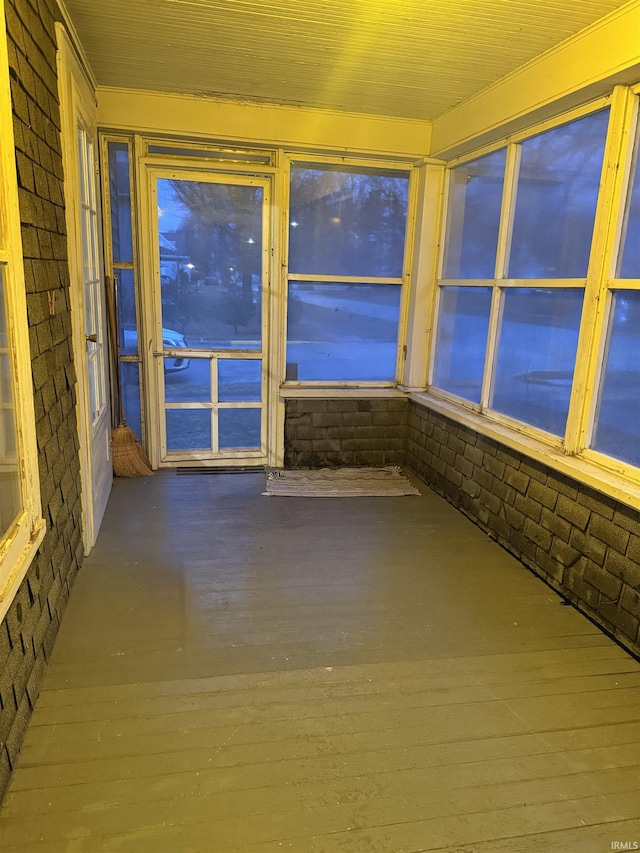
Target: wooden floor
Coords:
[(238, 672)]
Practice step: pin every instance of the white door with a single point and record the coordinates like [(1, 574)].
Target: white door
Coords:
[(208, 309), (93, 372), (87, 288)]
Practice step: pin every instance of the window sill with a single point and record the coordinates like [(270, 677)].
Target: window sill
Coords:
[(616, 484), (291, 392)]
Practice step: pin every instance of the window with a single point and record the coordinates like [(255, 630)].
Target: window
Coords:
[(475, 201), (617, 426), (461, 343), (515, 261), (557, 192), (347, 231), (21, 528), (537, 318), (10, 498), (616, 430), (122, 266), (536, 355)]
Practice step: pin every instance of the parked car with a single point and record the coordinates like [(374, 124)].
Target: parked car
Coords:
[(170, 340)]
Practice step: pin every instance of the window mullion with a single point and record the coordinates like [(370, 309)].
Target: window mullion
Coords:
[(495, 321), (511, 172), (591, 342)]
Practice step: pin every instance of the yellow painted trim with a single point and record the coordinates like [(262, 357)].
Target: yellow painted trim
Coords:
[(580, 69), (260, 124), (21, 543)]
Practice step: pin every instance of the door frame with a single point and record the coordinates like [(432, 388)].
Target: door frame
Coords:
[(78, 107), (152, 168)]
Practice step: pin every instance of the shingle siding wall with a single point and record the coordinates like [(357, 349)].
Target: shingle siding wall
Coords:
[(583, 544), (28, 632), (343, 431)]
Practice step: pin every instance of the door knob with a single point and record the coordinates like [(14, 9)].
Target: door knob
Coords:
[(93, 338)]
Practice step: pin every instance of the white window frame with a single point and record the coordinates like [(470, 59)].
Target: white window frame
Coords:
[(319, 388), (570, 454), (20, 544)]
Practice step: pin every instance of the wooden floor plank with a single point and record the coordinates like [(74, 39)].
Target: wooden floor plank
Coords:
[(371, 676)]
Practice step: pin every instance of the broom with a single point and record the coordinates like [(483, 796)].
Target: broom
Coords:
[(127, 456)]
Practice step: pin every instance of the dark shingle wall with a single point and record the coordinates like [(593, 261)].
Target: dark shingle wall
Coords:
[(30, 627), (345, 432)]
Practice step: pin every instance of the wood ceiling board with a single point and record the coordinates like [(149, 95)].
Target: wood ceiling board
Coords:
[(406, 58)]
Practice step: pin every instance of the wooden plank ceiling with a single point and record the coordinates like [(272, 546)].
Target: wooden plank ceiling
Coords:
[(406, 58)]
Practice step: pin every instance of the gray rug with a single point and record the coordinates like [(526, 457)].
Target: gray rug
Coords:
[(339, 483)]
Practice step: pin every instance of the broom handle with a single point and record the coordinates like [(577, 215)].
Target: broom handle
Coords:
[(112, 322)]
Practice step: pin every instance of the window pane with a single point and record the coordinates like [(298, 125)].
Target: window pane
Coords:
[(130, 379), (120, 198), (188, 429), (187, 380), (536, 356), (475, 201), (239, 380), (629, 260), (343, 332), (210, 246), (347, 223), (10, 499), (239, 429), (556, 200), (124, 282), (461, 342), (617, 427)]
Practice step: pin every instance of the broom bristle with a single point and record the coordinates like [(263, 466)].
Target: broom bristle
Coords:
[(129, 459)]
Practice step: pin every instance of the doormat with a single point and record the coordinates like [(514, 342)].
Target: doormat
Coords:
[(339, 483), (188, 471)]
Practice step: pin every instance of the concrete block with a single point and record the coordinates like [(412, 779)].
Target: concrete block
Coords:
[(469, 487), (607, 583), (341, 432), (537, 534), (563, 553), (313, 405), (386, 418), (548, 566), (609, 532), (630, 600), (514, 517), (517, 479), (572, 512), (356, 419), (582, 590), (622, 567), (627, 518), (600, 504), (473, 454), (558, 526), (532, 509), (342, 405), (326, 419), (542, 494), (626, 622), (563, 485), (370, 432)]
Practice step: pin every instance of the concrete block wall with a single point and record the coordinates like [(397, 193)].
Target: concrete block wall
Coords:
[(345, 432), (28, 632), (585, 545)]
